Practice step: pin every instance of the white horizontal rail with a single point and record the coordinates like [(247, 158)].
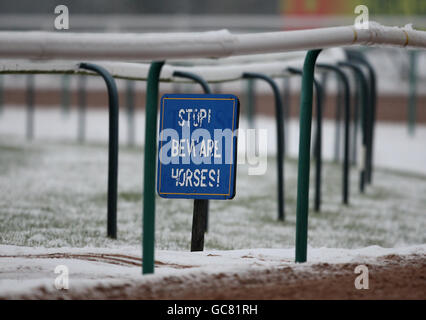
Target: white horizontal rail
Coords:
[(185, 22), (213, 44), (220, 72)]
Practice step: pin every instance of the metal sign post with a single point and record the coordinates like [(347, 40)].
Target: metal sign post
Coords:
[(197, 152), (200, 223)]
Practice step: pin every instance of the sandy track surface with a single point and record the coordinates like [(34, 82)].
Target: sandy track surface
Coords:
[(393, 277)]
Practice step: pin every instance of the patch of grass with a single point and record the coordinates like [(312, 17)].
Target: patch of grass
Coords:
[(56, 195), (130, 196), (17, 157)]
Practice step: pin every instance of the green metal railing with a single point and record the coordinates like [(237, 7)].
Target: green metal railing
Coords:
[(279, 117), (318, 138), (302, 209), (65, 94), (30, 97), (366, 120), (148, 222), (412, 100), (338, 122), (81, 109), (112, 146), (346, 98), (359, 57), (130, 111), (1, 94), (287, 112), (306, 102), (251, 102)]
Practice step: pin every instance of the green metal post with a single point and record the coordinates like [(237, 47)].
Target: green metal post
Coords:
[(318, 144), (148, 227), (65, 94), (356, 120), (217, 88), (1, 93), (250, 102), (130, 110), (412, 94), (338, 122), (286, 104), (30, 107), (113, 110), (318, 138), (304, 155), (279, 117), (359, 57), (343, 79), (323, 84), (82, 108), (373, 105), (201, 206), (366, 120)]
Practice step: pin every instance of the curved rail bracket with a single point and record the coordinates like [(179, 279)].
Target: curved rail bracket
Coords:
[(279, 115), (366, 120), (318, 138), (112, 146), (304, 155), (346, 95), (148, 228)]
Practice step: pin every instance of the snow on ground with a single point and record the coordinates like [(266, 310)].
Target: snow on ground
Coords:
[(54, 195), (22, 274), (53, 198)]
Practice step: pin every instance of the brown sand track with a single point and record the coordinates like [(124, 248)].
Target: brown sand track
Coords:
[(393, 277)]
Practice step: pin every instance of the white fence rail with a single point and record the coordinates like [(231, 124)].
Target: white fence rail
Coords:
[(213, 44)]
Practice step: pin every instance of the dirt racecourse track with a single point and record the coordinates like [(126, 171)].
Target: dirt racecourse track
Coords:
[(392, 277)]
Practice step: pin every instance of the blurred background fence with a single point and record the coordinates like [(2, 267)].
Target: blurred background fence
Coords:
[(401, 73)]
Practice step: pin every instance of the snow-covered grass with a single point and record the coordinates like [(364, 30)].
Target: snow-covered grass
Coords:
[(53, 200), (54, 194)]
